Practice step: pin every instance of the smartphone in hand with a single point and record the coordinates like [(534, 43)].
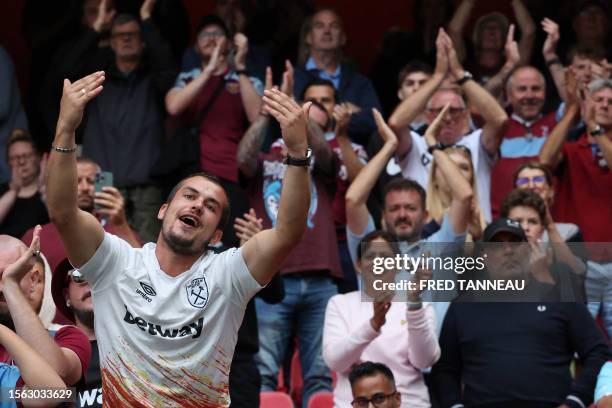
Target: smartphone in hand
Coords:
[(103, 179)]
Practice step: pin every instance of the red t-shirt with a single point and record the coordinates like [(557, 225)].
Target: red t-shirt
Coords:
[(521, 143), (584, 195), (224, 124), (318, 249), (69, 337)]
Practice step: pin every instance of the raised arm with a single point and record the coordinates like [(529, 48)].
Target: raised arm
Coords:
[(27, 323), (461, 190), (253, 139), (179, 99), (551, 153), (251, 100), (549, 51), (457, 25), (357, 194), (495, 85), (353, 165), (528, 30), (265, 252), (81, 233), (493, 114), (34, 369), (410, 108)]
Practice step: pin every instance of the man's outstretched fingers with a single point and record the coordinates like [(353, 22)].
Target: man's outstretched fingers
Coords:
[(87, 80)]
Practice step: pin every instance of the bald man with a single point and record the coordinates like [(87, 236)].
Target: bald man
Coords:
[(526, 133), (67, 350)]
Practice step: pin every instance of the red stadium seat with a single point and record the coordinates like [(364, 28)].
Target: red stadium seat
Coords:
[(321, 400), (275, 399)]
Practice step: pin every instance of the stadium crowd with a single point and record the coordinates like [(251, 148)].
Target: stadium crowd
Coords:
[(193, 224)]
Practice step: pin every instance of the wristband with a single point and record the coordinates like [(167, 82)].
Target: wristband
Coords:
[(63, 149), (242, 72), (553, 62), (437, 146)]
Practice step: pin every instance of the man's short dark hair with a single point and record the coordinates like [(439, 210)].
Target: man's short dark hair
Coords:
[(213, 179), (19, 135), (370, 369), (524, 197), (316, 81), (122, 19), (591, 54), (412, 67), (212, 19), (402, 184)]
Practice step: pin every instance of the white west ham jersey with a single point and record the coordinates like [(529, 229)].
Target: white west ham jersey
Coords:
[(166, 341)]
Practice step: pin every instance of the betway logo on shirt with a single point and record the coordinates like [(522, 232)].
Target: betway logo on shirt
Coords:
[(194, 328)]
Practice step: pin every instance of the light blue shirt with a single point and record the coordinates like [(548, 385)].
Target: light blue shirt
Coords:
[(334, 77)]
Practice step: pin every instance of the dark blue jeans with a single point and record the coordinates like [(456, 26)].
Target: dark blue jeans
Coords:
[(303, 308)]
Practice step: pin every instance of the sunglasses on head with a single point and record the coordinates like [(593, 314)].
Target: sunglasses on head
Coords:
[(77, 277)]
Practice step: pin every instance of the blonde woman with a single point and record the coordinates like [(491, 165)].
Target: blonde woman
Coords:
[(439, 193)]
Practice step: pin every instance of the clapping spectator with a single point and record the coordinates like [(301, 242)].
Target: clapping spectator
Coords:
[(527, 130), (67, 350), (488, 39), (22, 203), (12, 115), (222, 98), (324, 39), (401, 336), (412, 152)]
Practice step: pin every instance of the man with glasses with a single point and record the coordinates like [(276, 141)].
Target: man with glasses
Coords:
[(72, 297), (527, 129), (220, 98), (124, 129), (373, 383), (413, 153), (21, 199)]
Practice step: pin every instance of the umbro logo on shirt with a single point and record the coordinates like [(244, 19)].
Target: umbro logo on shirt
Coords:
[(194, 328), (148, 289)]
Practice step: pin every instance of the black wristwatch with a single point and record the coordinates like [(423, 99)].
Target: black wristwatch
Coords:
[(295, 161), (467, 75), (437, 146), (598, 131)]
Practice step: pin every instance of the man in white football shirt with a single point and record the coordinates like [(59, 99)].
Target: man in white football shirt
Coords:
[(167, 315)]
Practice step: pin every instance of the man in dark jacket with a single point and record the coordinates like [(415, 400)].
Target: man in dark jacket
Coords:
[(124, 127), (325, 39)]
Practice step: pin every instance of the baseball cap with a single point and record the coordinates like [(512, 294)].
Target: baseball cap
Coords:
[(503, 225)]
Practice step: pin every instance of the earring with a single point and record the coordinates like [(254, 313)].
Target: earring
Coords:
[(68, 303)]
